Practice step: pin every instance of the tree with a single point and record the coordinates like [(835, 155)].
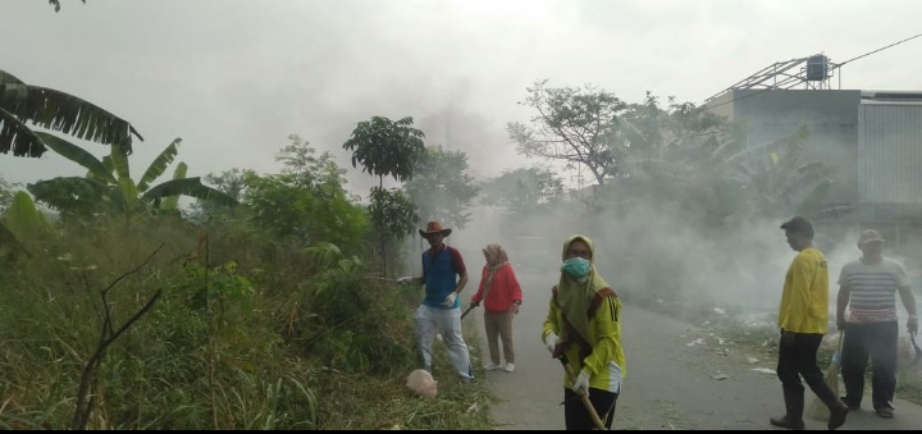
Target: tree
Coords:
[(233, 183), (577, 126), (305, 203), (306, 200), (779, 180), (282, 207), (397, 209), (385, 148), (55, 110), (441, 188), (522, 189), (108, 184), (678, 154), (686, 155)]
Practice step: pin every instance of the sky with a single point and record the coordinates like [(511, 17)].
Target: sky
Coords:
[(234, 78)]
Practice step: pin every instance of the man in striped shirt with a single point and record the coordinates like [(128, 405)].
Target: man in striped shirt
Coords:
[(868, 288)]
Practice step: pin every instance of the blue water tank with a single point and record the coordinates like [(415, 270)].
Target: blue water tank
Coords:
[(817, 68)]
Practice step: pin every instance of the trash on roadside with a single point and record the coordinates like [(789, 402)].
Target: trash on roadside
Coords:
[(720, 377), (422, 383), (752, 360), (719, 311), (765, 370), (699, 341)]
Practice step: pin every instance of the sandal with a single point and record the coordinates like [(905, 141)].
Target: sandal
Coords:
[(886, 413)]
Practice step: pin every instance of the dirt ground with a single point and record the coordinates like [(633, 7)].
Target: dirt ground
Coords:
[(671, 383)]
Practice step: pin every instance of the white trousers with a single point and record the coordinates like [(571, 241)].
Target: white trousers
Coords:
[(447, 322)]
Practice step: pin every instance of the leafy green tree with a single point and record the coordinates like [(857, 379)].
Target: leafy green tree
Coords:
[(108, 184), (386, 148), (397, 209), (576, 126), (280, 205), (441, 187), (233, 183), (305, 202), (52, 109), (522, 189)]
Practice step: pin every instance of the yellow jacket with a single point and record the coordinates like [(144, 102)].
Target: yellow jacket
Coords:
[(805, 299), (606, 363)]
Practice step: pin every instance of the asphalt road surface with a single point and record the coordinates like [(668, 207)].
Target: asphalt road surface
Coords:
[(670, 384)]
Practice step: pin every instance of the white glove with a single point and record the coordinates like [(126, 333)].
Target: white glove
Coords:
[(581, 385), (551, 342), (405, 279), (450, 300)]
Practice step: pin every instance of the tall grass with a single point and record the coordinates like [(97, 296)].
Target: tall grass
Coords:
[(249, 333)]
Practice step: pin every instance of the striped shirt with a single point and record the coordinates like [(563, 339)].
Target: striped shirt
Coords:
[(873, 289)]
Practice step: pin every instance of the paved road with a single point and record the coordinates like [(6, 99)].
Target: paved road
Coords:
[(670, 385)]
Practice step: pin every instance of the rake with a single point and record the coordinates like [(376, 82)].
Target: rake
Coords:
[(819, 410), (469, 309), (599, 425)]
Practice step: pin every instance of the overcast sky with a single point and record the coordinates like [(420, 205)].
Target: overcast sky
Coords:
[(234, 78)]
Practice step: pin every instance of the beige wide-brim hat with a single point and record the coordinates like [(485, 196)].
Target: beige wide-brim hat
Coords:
[(434, 227)]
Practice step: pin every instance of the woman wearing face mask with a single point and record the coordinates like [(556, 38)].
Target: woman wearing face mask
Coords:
[(583, 325)]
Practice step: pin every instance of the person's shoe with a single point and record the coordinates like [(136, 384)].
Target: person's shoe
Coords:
[(509, 367), (490, 367), (884, 412), (786, 422), (837, 416)]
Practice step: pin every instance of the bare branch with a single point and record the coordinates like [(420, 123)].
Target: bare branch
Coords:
[(84, 406)]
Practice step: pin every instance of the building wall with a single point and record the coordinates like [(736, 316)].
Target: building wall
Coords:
[(831, 117), (890, 153)]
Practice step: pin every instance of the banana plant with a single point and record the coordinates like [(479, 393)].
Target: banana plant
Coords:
[(21, 104), (108, 183)]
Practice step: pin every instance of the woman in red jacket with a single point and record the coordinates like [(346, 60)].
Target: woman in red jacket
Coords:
[(501, 295)]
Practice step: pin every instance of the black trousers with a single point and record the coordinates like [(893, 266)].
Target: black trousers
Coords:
[(799, 360), (877, 340), (577, 417)]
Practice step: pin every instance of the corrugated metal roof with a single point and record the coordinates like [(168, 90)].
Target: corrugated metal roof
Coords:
[(890, 153)]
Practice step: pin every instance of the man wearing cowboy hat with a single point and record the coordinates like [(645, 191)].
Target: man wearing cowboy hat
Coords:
[(868, 287), (440, 310)]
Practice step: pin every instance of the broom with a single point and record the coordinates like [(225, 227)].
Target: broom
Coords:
[(819, 410)]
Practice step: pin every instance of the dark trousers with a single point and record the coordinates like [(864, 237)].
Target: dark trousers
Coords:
[(799, 360), (877, 340), (577, 417)]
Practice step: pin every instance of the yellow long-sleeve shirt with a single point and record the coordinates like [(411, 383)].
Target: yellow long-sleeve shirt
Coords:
[(606, 363), (805, 300)]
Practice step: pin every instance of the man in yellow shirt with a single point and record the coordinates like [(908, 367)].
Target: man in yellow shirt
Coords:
[(803, 318)]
